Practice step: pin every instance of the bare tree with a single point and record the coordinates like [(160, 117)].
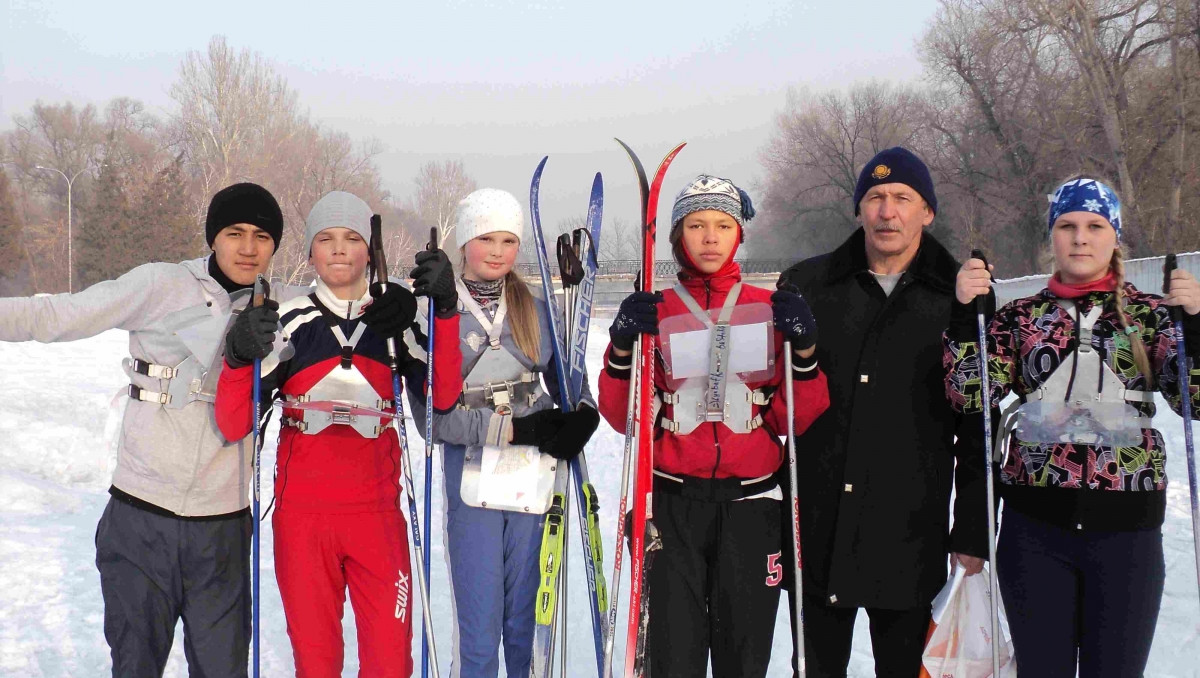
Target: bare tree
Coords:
[(1106, 39), (813, 160), (440, 186), (235, 117), (618, 240)]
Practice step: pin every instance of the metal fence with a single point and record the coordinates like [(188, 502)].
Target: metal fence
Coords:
[(1145, 274), (615, 277), (662, 269)]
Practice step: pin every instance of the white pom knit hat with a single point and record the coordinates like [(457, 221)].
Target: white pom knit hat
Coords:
[(488, 210), (337, 209)]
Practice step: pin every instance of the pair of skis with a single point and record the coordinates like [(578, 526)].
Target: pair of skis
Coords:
[(639, 433), (578, 276)]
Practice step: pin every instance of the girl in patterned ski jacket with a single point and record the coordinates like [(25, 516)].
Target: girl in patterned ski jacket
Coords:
[(1080, 554), (337, 523), (714, 586)]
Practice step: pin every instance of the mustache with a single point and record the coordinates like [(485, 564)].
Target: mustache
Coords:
[(886, 227)]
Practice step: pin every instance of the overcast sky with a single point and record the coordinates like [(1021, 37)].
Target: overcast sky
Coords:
[(497, 84)]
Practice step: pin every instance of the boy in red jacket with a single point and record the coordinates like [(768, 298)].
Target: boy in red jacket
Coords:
[(715, 584)]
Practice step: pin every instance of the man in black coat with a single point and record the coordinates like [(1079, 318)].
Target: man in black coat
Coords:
[(875, 471)]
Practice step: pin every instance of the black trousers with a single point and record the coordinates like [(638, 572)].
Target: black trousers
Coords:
[(714, 587), (156, 569), (1073, 596), (897, 639)]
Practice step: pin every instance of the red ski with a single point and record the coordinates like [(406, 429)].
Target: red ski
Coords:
[(643, 536)]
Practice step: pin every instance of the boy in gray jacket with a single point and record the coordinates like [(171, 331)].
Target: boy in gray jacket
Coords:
[(174, 540)]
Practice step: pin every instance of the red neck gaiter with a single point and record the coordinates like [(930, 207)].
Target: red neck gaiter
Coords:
[(1064, 290)]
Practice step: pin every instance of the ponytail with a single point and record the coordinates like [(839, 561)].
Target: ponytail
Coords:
[(525, 328), (1140, 358)]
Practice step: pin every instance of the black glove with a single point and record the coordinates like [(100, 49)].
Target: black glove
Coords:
[(434, 278), (577, 428), (538, 428), (252, 334), (391, 311), (794, 318), (638, 315)]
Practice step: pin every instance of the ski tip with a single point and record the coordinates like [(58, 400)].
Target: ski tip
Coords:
[(534, 189), (674, 152)]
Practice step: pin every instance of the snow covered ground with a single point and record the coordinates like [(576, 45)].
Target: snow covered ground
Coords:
[(57, 424)]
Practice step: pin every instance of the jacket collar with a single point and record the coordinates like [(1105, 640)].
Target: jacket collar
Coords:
[(933, 264), (342, 308)]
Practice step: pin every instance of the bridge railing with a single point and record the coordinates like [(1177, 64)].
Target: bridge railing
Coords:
[(662, 269), (614, 277)]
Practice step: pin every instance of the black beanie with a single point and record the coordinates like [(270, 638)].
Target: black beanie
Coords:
[(896, 165), (244, 204)]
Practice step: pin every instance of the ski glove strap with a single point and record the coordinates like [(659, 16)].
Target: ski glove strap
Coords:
[(434, 278), (638, 314), (577, 429), (252, 334), (794, 318), (391, 311)]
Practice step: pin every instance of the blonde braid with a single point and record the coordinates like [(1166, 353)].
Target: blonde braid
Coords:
[(1140, 357)]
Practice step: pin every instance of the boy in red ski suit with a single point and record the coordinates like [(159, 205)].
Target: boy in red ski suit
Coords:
[(337, 522)]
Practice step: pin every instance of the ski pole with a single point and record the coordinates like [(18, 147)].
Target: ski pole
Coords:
[(1181, 363), (986, 399), (614, 594), (433, 238), (258, 299), (793, 484), (379, 263), (570, 272)]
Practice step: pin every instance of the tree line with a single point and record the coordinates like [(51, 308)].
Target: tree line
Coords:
[(142, 182), (1016, 96)]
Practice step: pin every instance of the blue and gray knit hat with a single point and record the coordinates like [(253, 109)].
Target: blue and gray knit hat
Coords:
[(707, 192), (1086, 195)]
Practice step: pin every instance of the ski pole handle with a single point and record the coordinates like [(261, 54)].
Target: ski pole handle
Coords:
[(570, 268), (433, 239), (981, 301), (1170, 263), (378, 257)]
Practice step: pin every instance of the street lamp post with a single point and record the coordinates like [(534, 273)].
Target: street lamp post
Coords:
[(70, 180)]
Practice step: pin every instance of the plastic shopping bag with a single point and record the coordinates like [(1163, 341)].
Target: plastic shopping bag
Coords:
[(960, 643)]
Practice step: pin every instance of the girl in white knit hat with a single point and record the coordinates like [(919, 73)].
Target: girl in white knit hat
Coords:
[(503, 440)]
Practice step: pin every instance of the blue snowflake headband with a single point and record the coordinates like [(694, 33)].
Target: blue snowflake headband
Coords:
[(1086, 195)]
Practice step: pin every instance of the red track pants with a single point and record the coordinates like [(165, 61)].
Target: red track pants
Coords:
[(319, 555)]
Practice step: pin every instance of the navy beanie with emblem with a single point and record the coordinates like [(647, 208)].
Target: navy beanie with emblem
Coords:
[(896, 165), (244, 203)]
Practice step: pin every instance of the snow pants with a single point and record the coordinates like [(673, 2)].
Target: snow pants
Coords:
[(155, 569), (494, 577), (714, 586), (317, 557), (1074, 596)]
